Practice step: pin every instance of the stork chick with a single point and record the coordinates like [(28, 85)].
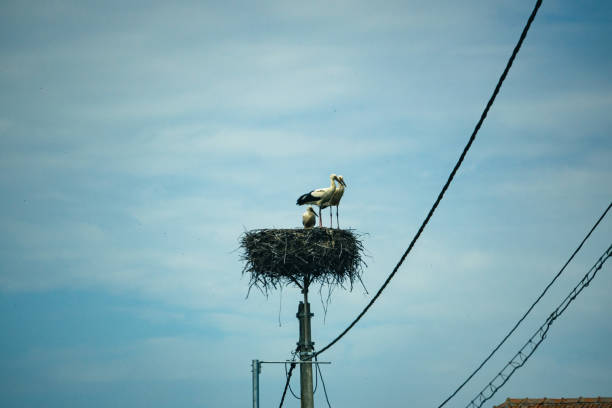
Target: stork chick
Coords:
[(319, 196), (308, 218)]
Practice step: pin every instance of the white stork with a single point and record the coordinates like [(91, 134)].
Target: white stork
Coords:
[(308, 218), (335, 200), (320, 196)]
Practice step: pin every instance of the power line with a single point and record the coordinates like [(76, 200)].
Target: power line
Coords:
[(448, 181), (290, 389), (491, 387), (287, 384), (528, 310), (323, 382), (534, 341)]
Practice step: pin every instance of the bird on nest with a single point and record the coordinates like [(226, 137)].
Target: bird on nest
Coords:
[(308, 218), (321, 196), (335, 200)]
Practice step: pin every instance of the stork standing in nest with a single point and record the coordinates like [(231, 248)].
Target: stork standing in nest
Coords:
[(320, 196), (335, 200)]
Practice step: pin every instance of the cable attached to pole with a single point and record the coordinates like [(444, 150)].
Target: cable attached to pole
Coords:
[(290, 389), (528, 310), (448, 181), (287, 384)]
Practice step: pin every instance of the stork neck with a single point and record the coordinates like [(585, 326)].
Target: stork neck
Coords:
[(333, 184)]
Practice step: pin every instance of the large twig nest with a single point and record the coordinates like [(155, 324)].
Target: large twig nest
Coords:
[(278, 257)]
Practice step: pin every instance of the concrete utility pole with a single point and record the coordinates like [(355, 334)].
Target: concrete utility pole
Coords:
[(305, 349)]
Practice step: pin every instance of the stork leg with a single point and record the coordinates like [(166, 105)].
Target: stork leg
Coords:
[(320, 222), (331, 221), (337, 219)]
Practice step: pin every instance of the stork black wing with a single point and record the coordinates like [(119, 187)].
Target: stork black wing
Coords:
[(307, 198)]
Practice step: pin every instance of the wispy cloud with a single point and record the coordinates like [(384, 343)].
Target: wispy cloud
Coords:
[(139, 142)]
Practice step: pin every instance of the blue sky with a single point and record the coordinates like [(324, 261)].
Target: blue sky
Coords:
[(139, 140)]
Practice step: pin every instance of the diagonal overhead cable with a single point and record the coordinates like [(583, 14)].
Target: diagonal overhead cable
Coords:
[(448, 181), (521, 357), (528, 310)]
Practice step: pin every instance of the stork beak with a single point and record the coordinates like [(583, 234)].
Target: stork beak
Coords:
[(342, 182)]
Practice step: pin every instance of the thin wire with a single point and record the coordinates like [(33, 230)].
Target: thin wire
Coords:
[(323, 382), (316, 382), (287, 384), (450, 178), (521, 357), (528, 310), (280, 305), (290, 389)]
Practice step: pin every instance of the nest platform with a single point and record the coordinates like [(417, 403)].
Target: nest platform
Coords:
[(278, 257)]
